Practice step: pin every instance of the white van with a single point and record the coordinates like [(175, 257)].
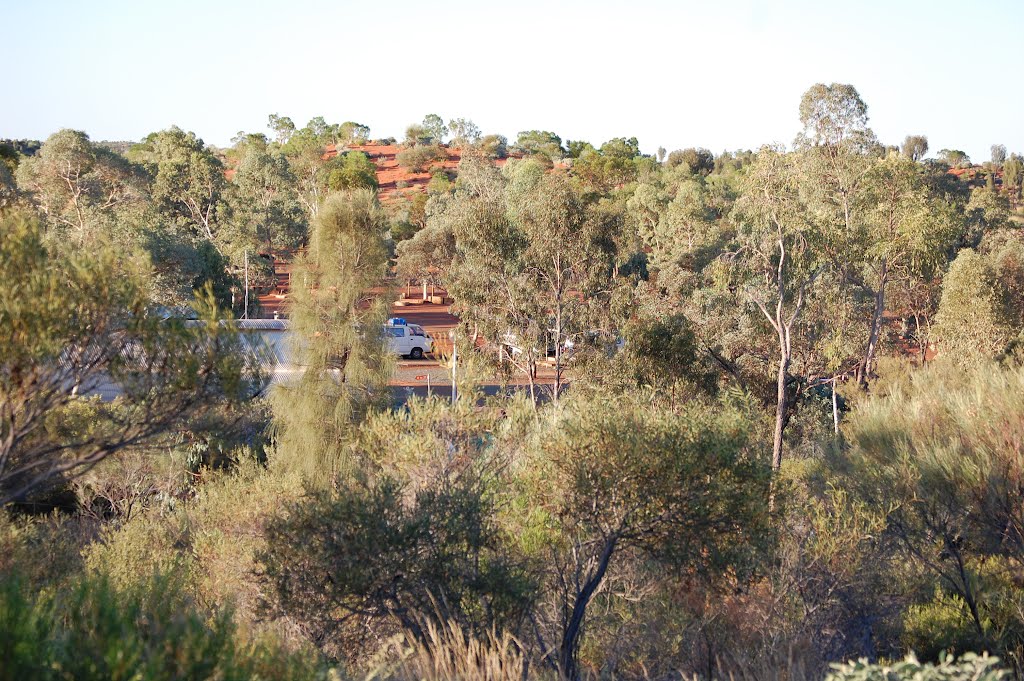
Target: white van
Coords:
[(408, 339)]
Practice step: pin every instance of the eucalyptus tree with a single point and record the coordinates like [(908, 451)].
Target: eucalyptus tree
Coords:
[(283, 127), (265, 205), (528, 262), (955, 158), (435, 127), (464, 132), (998, 154), (81, 321), (685, 222), (567, 258), (540, 143), (483, 268), (915, 147), (188, 179), (305, 150), (694, 160), (837, 146), (79, 187), (908, 235), (777, 260)]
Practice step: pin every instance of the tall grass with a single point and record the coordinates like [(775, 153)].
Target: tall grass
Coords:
[(448, 654)]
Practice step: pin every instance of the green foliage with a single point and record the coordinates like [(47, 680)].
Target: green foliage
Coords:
[(151, 631), (942, 626), (337, 327), (658, 480), (434, 128), (356, 171), (941, 457), (614, 165), (81, 322), (915, 147), (1013, 176), (955, 158), (80, 187), (188, 178), (971, 321), (420, 158), (267, 216), (418, 544), (661, 352), (493, 146), (540, 143), (834, 116), (464, 132), (692, 161), (384, 553)]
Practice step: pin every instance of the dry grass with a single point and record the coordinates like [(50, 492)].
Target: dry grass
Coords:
[(450, 655)]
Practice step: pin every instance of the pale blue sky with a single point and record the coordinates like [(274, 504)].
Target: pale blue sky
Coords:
[(673, 74)]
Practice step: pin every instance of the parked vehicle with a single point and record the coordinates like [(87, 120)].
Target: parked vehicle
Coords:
[(408, 340)]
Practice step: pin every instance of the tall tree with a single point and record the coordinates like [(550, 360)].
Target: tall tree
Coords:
[(998, 154), (435, 128), (915, 147), (265, 205), (464, 132), (680, 491), (78, 186), (189, 180), (306, 153), (282, 126), (778, 260), (337, 324), (908, 235), (77, 323)]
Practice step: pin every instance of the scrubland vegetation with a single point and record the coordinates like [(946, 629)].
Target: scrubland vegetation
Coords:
[(781, 436)]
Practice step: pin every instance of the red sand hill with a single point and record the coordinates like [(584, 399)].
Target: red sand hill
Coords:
[(390, 174)]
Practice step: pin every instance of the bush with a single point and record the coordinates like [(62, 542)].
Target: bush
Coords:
[(419, 158), (968, 668), (147, 633)]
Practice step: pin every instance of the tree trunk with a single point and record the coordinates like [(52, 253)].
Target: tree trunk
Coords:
[(876, 324), (531, 375), (780, 409), (835, 405), (558, 349), (571, 636)]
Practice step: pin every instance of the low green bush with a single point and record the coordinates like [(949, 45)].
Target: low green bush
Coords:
[(150, 632)]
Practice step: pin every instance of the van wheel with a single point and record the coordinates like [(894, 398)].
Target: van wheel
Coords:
[(417, 353)]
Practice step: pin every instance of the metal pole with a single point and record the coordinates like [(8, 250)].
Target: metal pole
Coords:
[(245, 312), (455, 363)]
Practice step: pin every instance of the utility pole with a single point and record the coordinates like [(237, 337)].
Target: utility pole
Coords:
[(455, 364), (245, 312)]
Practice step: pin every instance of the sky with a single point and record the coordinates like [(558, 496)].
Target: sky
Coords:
[(674, 74)]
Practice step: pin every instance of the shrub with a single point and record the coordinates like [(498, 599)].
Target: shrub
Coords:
[(970, 667), (147, 633), (419, 158)]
